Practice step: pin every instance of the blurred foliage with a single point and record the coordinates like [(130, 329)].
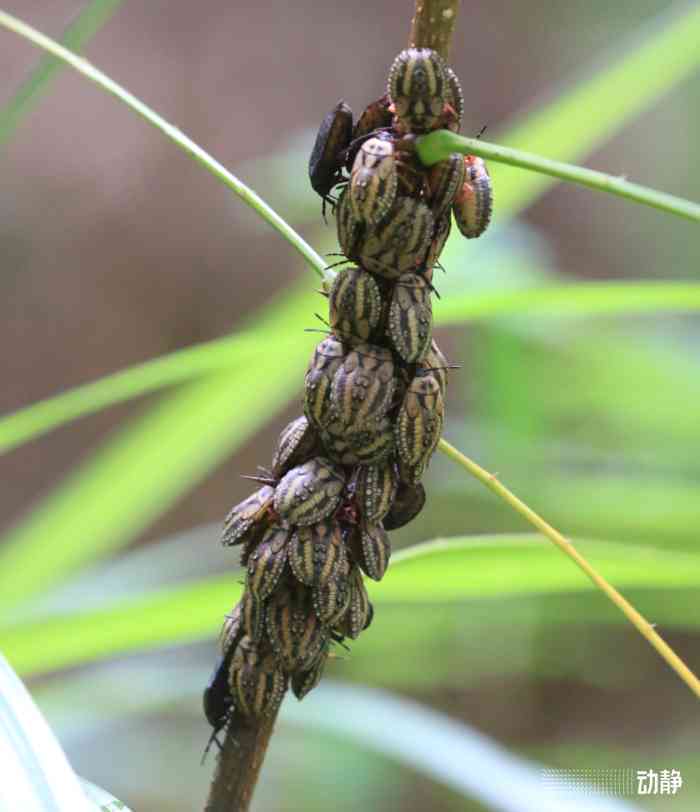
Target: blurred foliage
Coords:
[(589, 416)]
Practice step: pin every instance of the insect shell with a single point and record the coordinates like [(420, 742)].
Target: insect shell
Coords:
[(247, 519), (309, 492), (440, 235), (376, 551), (315, 551), (455, 99), (355, 305), (445, 179), (349, 228), (373, 180), (365, 447), (375, 116), (407, 504), (325, 362), (297, 635), (418, 89), (410, 323), (325, 163), (266, 562), (359, 614), (332, 599), (399, 243), (419, 425), (474, 202), (305, 681), (374, 489), (363, 387), (297, 442), (256, 680)]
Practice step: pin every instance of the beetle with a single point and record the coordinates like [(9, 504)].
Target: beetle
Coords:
[(326, 161), (473, 203)]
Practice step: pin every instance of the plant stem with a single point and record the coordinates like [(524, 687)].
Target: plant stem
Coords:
[(640, 623), (239, 762), (440, 144), (433, 25)]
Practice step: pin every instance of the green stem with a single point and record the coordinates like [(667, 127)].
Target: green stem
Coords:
[(439, 145), (186, 144), (642, 625)]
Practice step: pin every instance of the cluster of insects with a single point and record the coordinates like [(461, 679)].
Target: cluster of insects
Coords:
[(350, 468)]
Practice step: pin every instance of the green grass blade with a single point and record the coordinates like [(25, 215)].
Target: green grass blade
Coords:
[(590, 299), (147, 466), (75, 37), (585, 115), (478, 568)]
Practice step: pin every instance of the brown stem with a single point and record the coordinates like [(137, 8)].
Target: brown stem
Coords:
[(433, 25), (239, 763)]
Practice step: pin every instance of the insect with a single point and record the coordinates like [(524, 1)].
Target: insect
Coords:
[(373, 180), (217, 701), (376, 116), (256, 680), (266, 562), (315, 552), (445, 179), (363, 387), (309, 492), (420, 91), (410, 323), (326, 161), (244, 522), (297, 634), (473, 203), (297, 442), (419, 425), (355, 305), (374, 489), (407, 504), (326, 360)]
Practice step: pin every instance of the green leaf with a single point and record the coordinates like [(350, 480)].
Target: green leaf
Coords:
[(147, 466), (441, 571)]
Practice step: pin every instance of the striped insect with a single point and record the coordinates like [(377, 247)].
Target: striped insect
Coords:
[(315, 552), (374, 489), (331, 600), (296, 633), (419, 426), (419, 90), (410, 322), (305, 681), (373, 180), (376, 116), (325, 362), (310, 492), (266, 562), (355, 305), (297, 443), (399, 243), (359, 613), (247, 520), (369, 445), (445, 179), (326, 161), (363, 387), (473, 203), (376, 550), (257, 682)]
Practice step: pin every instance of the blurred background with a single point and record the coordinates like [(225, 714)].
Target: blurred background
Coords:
[(117, 248)]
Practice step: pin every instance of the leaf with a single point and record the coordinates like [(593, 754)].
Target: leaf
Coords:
[(441, 571), (136, 475)]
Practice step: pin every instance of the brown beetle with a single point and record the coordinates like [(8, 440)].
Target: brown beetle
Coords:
[(326, 161)]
